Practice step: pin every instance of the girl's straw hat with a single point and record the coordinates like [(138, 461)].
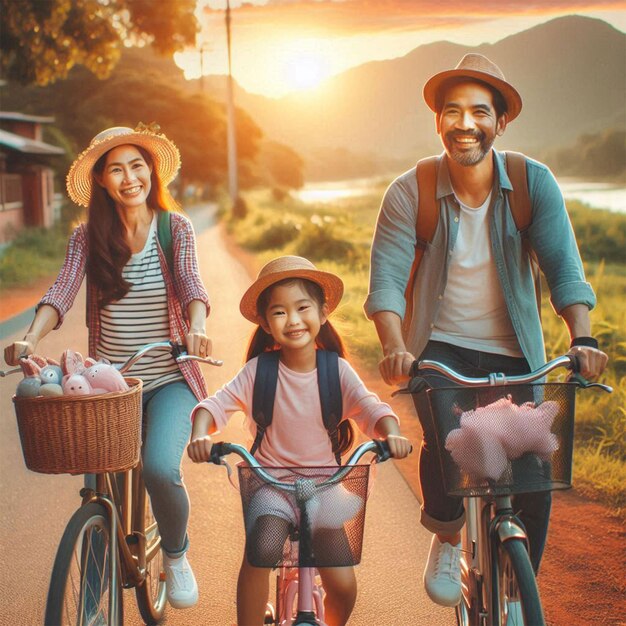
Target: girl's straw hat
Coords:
[(164, 153), (290, 267)]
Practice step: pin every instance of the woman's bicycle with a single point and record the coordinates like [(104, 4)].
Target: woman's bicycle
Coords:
[(484, 429), (112, 541), (325, 507)]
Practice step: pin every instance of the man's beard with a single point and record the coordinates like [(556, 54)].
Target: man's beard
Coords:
[(468, 157)]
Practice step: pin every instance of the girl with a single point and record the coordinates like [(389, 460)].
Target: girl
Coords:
[(134, 297), (290, 301)]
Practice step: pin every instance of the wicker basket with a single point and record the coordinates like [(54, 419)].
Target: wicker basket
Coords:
[(81, 434)]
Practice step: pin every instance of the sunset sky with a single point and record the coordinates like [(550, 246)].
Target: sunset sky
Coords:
[(281, 46)]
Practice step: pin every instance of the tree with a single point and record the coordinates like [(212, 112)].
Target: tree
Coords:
[(43, 39)]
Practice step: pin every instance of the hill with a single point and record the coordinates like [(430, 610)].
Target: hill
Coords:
[(570, 72)]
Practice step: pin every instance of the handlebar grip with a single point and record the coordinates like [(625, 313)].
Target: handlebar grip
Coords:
[(383, 453), (218, 450), (574, 362)]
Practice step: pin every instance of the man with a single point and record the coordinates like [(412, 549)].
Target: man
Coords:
[(473, 305)]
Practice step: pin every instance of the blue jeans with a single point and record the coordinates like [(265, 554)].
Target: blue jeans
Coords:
[(444, 514), (167, 429)]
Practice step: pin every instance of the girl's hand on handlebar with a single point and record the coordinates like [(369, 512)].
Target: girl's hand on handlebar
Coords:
[(591, 361), (198, 344), (199, 449), (399, 446)]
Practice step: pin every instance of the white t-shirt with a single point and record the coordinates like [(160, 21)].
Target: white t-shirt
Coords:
[(473, 312)]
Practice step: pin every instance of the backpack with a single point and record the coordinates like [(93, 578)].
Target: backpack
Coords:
[(428, 216), (164, 235), (328, 383)]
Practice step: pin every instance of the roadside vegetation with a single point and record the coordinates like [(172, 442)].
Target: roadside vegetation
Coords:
[(337, 236)]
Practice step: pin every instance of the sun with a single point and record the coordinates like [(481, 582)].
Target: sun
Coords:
[(304, 70)]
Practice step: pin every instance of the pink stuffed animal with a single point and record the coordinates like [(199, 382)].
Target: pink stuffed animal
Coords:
[(105, 376), (491, 436)]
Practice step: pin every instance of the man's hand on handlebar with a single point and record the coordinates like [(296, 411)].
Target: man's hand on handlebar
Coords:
[(395, 367), (591, 361)]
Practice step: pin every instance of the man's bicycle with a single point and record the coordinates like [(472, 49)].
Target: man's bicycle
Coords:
[(112, 541), (325, 510), (499, 436)]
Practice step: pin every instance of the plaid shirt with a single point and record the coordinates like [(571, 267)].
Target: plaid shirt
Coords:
[(182, 287)]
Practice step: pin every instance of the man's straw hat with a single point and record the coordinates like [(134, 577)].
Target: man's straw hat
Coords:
[(164, 153), (290, 267), (478, 67)]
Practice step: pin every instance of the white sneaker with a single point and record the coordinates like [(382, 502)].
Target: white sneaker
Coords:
[(182, 589), (442, 576)]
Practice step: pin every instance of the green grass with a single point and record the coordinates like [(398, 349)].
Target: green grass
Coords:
[(338, 237)]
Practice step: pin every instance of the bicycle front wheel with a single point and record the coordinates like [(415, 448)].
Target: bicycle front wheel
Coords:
[(151, 594), (83, 588), (516, 602)]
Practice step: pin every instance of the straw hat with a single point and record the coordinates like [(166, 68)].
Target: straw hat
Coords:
[(478, 67), (163, 151), (290, 267)]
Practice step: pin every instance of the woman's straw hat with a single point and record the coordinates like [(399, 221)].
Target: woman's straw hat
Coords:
[(478, 67), (290, 267), (164, 153)]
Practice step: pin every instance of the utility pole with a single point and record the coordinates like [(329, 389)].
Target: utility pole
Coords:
[(233, 185)]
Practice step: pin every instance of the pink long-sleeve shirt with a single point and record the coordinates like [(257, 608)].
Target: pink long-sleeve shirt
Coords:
[(297, 436)]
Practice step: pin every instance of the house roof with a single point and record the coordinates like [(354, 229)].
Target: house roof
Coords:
[(23, 117), (26, 145)]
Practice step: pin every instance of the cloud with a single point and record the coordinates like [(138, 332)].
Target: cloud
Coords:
[(310, 18)]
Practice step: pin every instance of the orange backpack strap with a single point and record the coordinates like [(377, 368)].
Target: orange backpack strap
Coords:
[(519, 199), (426, 223), (521, 209)]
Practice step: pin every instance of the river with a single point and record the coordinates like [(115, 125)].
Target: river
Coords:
[(597, 195)]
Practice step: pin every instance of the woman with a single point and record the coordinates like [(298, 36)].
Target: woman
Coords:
[(134, 297)]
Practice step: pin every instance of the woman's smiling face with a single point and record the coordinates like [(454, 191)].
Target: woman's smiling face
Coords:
[(126, 177)]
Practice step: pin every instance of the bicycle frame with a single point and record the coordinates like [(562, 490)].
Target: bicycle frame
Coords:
[(301, 579), (490, 519), (125, 511)]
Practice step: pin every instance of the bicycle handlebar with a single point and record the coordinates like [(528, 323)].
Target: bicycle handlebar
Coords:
[(567, 361), (177, 351), (221, 449)]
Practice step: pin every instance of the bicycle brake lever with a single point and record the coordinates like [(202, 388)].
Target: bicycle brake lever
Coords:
[(585, 384), (4, 373)]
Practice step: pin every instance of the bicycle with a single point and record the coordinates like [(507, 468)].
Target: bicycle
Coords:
[(497, 579), (112, 541), (308, 491)]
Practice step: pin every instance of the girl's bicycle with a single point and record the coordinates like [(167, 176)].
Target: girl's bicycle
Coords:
[(325, 508), (499, 436), (112, 541)]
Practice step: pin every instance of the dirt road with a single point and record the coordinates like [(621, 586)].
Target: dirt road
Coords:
[(35, 507)]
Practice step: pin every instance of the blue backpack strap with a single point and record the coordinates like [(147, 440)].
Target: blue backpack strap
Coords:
[(164, 235), (263, 394), (330, 395)]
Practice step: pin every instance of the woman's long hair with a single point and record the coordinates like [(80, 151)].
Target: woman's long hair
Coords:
[(108, 250), (327, 339)]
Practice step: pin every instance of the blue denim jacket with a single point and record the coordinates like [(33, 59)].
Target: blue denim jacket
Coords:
[(550, 235)]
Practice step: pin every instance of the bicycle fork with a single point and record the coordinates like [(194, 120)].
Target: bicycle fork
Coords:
[(483, 531)]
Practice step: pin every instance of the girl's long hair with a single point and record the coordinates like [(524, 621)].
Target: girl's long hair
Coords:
[(327, 339), (108, 250)]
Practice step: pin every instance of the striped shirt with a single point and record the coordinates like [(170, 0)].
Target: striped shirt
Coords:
[(182, 285), (140, 317)]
